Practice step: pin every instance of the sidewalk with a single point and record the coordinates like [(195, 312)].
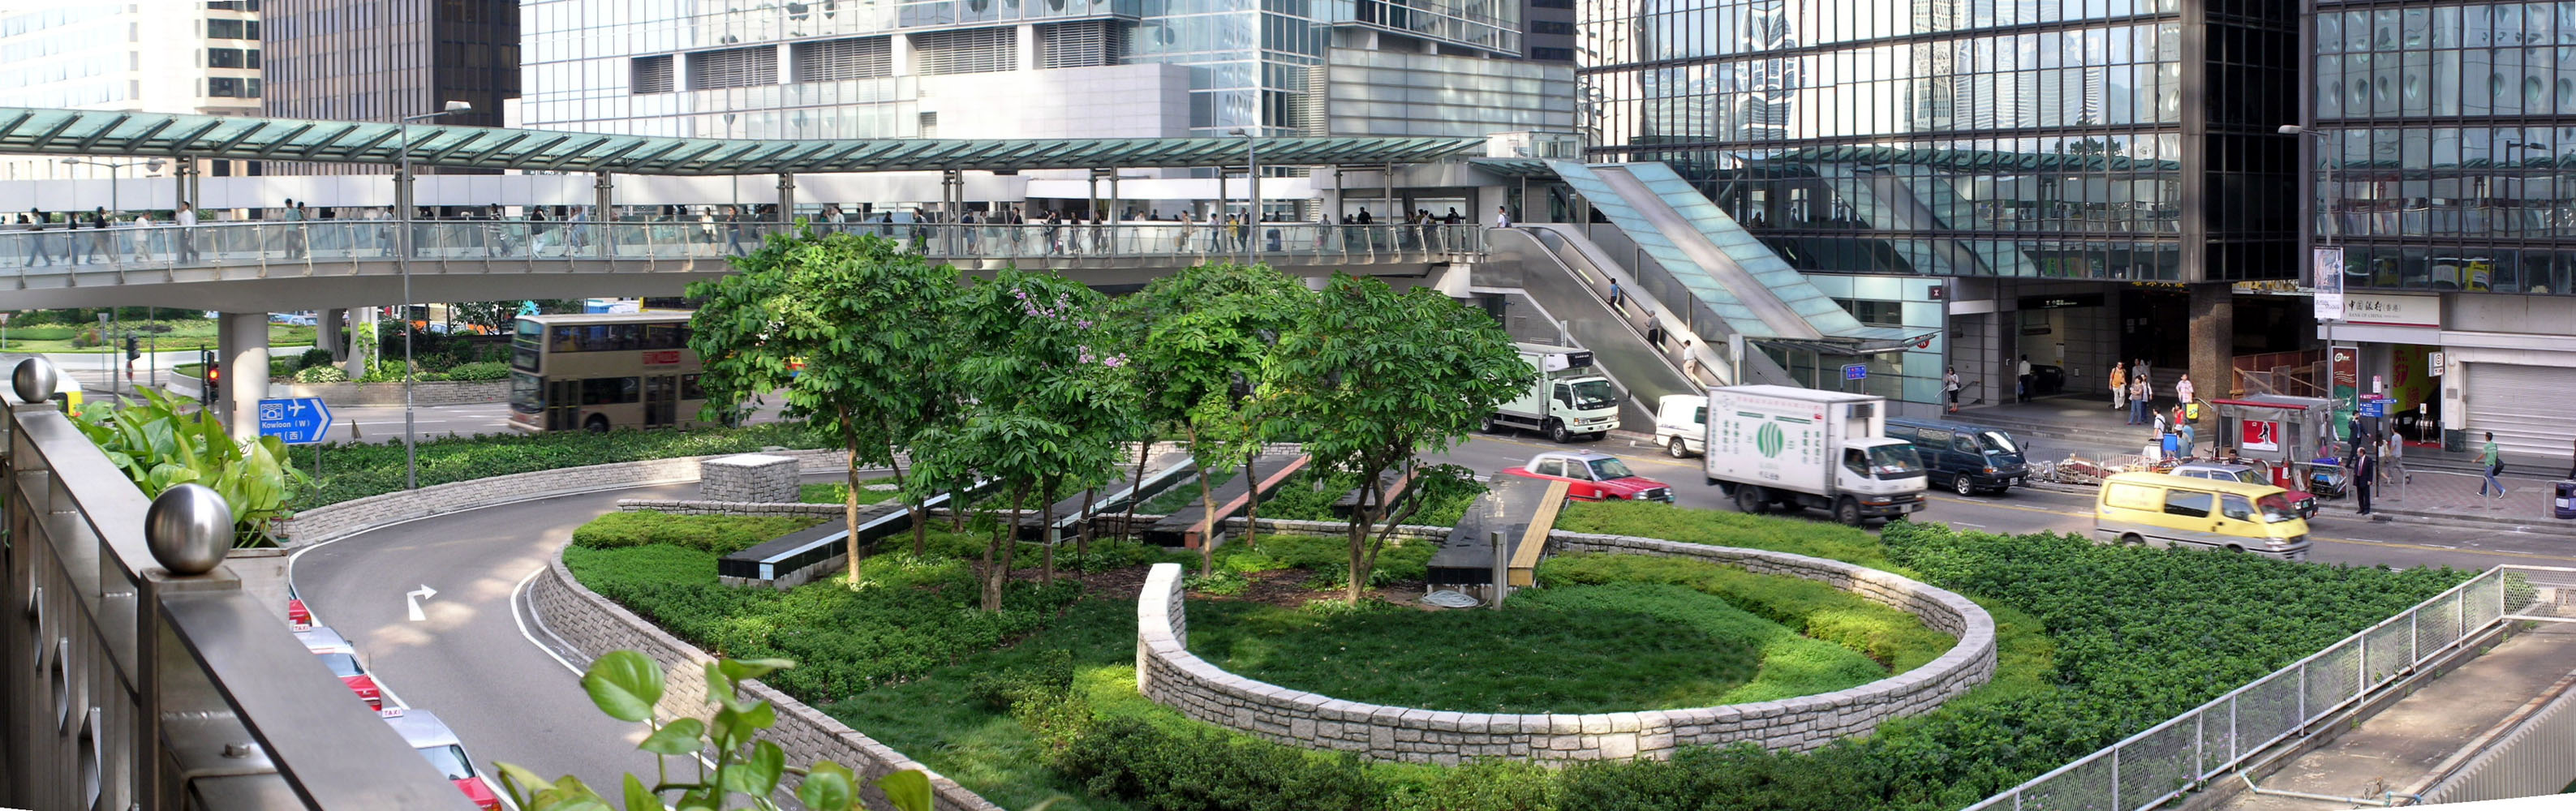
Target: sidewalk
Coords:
[(2453, 496)]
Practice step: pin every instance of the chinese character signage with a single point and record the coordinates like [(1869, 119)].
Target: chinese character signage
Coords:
[(2386, 310)]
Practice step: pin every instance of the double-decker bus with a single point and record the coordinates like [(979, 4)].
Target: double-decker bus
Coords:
[(597, 372)]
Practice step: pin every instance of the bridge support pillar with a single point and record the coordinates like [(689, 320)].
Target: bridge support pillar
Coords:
[(602, 199), (362, 346), (786, 197), (327, 333), (241, 341)]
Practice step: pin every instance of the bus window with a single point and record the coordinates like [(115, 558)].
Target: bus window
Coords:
[(567, 339), (610, 390), (664, 336)]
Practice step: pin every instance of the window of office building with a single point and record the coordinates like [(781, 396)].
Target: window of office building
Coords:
[(232, 29), (1079, 44), (978, 50), (733, 67), (232, 57), (837, 59), (649, 74)]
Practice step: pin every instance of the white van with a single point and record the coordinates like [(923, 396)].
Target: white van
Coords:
[(1681, 424)]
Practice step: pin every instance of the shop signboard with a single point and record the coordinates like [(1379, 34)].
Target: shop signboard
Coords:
[(2390, 310)]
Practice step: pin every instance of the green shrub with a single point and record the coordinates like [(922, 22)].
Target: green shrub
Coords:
[(1404, 560), (838, 492), (1112, 554), (283, 367), (1893, 638), (321, 374), (1309, 496), (1204, 769), (360, 469), (720, 534), (1655, 519), (87, 338), (480, 370), (316, 356)]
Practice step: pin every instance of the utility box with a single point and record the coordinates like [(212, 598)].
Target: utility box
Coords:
[(750, 477)]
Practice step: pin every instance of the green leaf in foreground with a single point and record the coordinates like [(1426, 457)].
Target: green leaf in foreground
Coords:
[(909, 790), (624, 684), (679, 738)]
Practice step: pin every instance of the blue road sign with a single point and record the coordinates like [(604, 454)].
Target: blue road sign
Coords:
[(298, 420), (1856, 371), (2374, 408)]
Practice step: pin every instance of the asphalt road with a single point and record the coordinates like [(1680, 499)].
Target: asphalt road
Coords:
[(467, 660)]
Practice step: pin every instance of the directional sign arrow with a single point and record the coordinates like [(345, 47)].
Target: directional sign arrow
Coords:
[(414, 597)]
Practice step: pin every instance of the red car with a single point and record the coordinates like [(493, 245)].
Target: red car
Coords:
[(1593, 477), (342, 657)]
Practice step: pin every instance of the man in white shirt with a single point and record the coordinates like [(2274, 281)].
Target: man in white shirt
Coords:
[(2024, 373), (1502, 217), (187, 232)]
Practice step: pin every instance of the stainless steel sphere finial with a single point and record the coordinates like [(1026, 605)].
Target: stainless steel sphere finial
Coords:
[(34, 380), (189, 529)]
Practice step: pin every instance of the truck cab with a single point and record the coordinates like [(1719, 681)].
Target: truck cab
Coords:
[(1568, 400), (1881, 478), (1794, 448)]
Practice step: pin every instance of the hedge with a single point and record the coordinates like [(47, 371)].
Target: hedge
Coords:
[(353, 470)]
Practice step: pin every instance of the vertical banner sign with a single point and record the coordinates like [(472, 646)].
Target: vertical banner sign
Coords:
[(2327, 280), (2346, 362)]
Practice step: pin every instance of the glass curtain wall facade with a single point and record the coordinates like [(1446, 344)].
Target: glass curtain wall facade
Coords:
[(2449, 162), (850, 69), (2001, 138), (376, 60)]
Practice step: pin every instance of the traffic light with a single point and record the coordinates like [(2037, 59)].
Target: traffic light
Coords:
[(214, 382), (133, 350)]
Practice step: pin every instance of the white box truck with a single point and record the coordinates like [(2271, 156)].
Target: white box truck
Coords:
[(1791, 447), (1568, 400)]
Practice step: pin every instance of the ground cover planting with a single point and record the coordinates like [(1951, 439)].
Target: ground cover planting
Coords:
[(351, 470), (1039, 700)]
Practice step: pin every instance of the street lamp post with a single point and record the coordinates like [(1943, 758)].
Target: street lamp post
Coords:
[(113, 204), (411, 453), (1251, 192), (2330, 235)]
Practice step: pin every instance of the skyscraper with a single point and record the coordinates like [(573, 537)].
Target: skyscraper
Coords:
[(170, 57), (377, 60)]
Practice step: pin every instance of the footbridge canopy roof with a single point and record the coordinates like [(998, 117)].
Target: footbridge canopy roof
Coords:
[(27, 130)]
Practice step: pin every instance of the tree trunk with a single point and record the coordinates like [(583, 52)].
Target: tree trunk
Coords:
[(1207, 497), (956, 511), (1010, 545), (1046, 534), (1144, 447), (850, 503), (1359, 534), (1251, 499), (1082, 538), (920, 514)]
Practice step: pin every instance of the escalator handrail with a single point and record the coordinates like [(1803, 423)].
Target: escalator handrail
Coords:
[(1597, 280)]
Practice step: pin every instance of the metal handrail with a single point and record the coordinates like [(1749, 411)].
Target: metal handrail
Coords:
[(127, 686)]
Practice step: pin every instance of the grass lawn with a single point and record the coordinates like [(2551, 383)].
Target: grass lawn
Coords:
[(837, 492), (1578, 649), (184, 336)]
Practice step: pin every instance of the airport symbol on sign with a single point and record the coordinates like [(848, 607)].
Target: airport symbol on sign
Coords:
[(297, 420)]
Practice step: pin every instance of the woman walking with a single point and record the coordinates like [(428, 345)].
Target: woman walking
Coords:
[(2119, 386)]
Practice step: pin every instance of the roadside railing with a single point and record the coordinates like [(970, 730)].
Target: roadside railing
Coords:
[(83, 255), (2146, 769), (137, 673)]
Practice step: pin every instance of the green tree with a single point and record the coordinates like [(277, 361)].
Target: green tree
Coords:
[(871, 325), (628, 686), (1200, 335), (1373, 377), (1042, 401)]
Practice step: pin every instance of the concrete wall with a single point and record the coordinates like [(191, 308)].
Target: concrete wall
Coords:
[(1169, 674), (424, 392), (596, 626), (358, 515)]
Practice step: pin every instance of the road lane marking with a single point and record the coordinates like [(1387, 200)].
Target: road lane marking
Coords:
[(412, 598), (522, 621)]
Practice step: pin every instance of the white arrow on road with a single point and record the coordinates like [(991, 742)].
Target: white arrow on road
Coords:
[(414, 597)]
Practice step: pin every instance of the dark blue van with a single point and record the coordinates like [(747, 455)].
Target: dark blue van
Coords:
[(1965, 458)]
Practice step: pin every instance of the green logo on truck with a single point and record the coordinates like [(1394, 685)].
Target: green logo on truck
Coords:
[(1769, 439)]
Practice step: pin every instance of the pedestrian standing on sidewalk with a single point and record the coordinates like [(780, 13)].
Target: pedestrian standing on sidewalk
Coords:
[(2365, 473), (2163, 437), (1950, 386), (2183, 392), (2392, 453), (2491, 463), (2022, 394), (2141, 393), (2183, 427), (2119, 386)]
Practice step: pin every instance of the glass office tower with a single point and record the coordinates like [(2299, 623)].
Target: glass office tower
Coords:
[(2047, 155), (2442, 168)]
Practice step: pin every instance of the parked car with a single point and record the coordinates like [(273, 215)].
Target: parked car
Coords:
[(2046, 379), (2167, 510), (439, 745), (1593, 477), (342, 658), (2305, 501), (1968, 459)]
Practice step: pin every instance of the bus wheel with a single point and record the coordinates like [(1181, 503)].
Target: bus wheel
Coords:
[(596, 424)]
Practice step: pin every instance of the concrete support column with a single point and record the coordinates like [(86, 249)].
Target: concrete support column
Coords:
[(602, 198), (2213, 339), (786, 197), (1028, 50), (1333, 198), (899, 54), (241, 341), (329, 336), (181, 173), (362, 342)]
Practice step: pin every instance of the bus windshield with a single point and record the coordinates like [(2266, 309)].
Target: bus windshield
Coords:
[(527, 392)]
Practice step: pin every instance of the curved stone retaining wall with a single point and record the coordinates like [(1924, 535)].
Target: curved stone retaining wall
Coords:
[(596, 626), (358, 515), (1168, 673)]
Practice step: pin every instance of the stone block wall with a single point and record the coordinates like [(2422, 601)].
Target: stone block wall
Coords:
[(596, 626), (756, 477), (704, 507), (358, 515), (1168, 673), (423, 392)]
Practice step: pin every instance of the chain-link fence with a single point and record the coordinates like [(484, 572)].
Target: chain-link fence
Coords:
[(2170, 758)]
